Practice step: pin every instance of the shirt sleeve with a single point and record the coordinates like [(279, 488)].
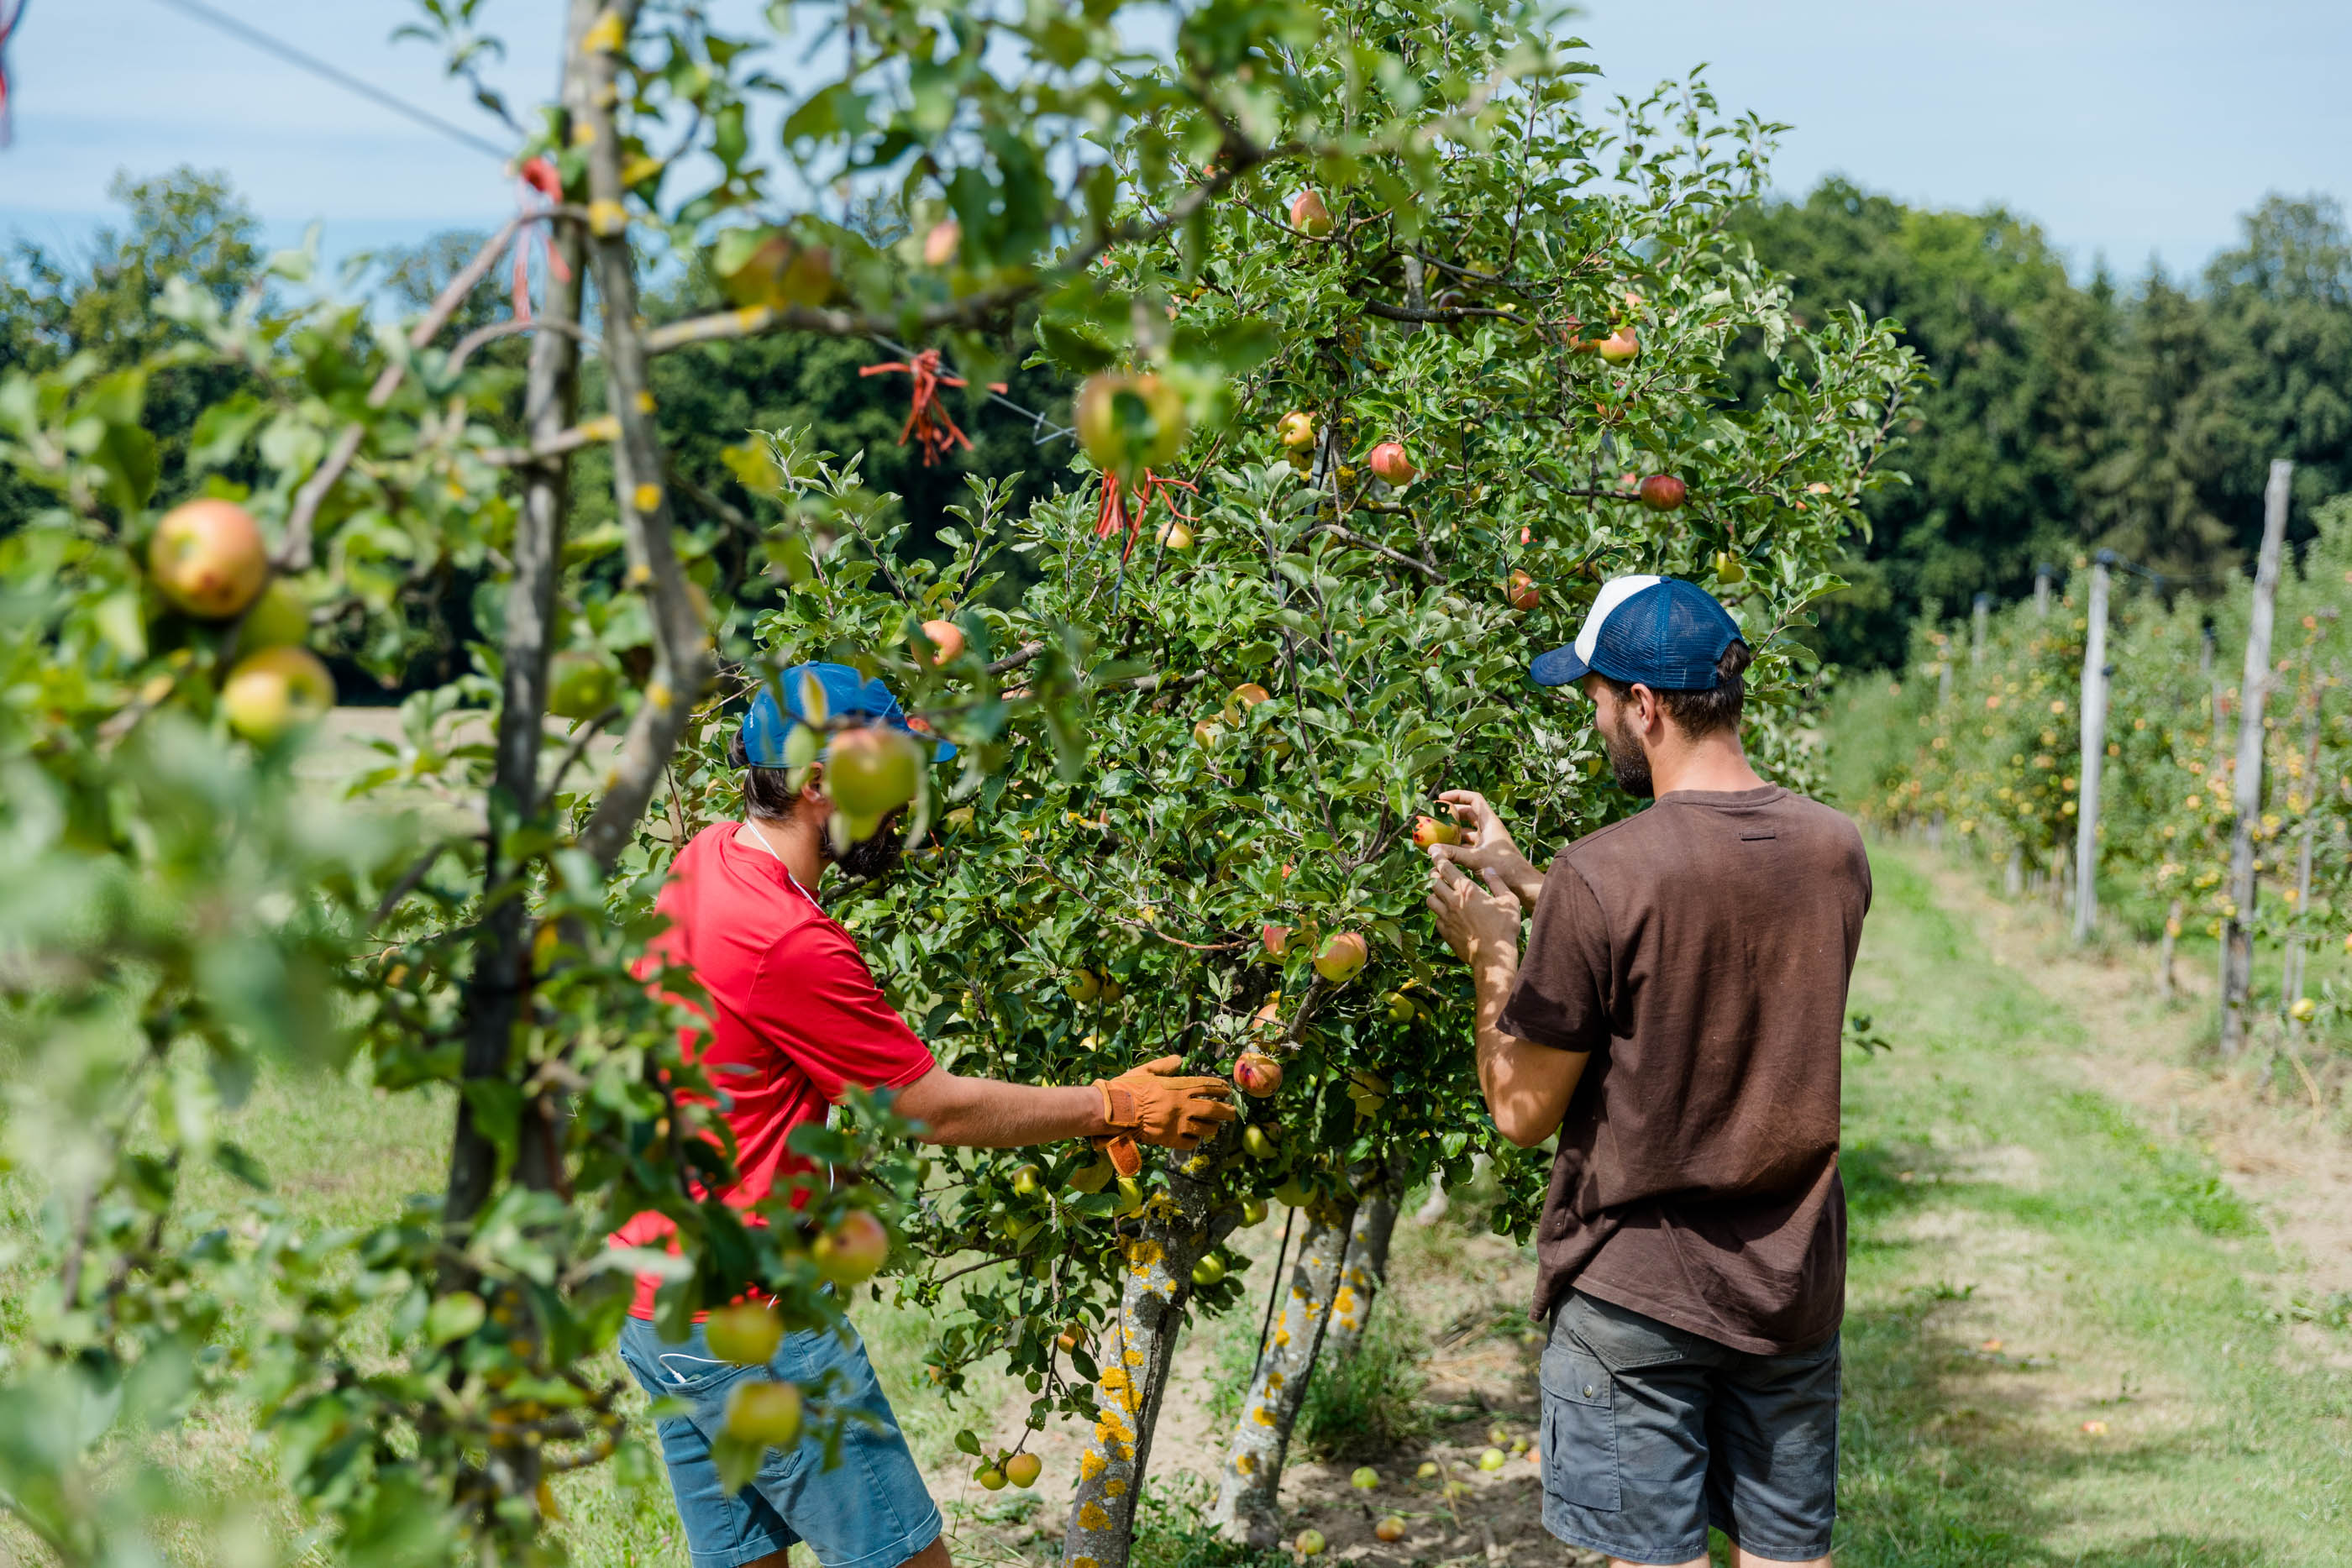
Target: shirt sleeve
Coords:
[(817, 1002), (1561, 999)]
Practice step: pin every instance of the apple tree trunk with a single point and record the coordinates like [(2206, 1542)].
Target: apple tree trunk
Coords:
[(1249, 1480), (1136, 1350)]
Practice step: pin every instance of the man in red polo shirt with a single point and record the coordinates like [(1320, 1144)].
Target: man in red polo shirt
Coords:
[(794, 1018)]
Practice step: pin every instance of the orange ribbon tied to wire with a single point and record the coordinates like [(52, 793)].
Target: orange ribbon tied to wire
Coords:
[(541, 187), (928, 421), (1114, 517)]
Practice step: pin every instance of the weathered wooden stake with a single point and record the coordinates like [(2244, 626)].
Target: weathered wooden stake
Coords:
[(2164, 980), (1977, 615), (2094, 755), (2237, 926)]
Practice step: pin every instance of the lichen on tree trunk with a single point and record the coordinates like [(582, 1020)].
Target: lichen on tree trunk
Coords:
[(1363, 1270), (1178, 1230), (1251, 1476)]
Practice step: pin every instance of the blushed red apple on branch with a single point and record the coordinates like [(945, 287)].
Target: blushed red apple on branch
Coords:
[(1664, 492), (1390, 463), (207, 558), (1309, 215), (1295, 430), (1523, 595)]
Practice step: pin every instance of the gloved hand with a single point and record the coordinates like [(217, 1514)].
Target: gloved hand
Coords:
[(1151, 1104)]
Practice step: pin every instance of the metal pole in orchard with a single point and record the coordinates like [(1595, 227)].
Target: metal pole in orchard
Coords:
[(2095, 754), (1977, 628), (2237, 928), (2042, 571)]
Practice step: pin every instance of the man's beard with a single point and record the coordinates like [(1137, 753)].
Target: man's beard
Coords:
[(1627, 760), (869, 858)]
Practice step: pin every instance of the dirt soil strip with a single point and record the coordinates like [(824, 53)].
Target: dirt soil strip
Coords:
[(2284, 1149)]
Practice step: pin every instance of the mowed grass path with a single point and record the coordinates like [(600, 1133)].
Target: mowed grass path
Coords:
[(2060, 1347)]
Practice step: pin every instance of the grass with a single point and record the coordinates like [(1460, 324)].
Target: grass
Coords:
[(2026, 1260)]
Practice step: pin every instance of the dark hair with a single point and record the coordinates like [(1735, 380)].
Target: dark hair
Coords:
[(768, 793), (1703, 713)]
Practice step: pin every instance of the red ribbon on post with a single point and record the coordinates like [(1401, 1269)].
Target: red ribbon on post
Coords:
[(541, 187), (8, 31)]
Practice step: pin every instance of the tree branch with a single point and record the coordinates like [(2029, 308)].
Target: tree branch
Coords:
[(512, 328), (682, 661), (1237, 158), (1346, 536), (294, 549), (1383, 309)]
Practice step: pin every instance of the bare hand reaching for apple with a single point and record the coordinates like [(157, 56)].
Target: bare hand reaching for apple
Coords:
[(1487, 846), (1480, 923)]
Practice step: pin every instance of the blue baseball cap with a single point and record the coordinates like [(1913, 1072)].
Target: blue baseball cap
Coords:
[(846, 695), (1661, 632)]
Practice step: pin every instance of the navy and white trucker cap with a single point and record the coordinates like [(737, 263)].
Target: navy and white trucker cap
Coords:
[(1660, 632)]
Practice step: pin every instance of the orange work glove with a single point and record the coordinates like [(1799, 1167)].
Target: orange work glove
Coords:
[(1151, 1104)]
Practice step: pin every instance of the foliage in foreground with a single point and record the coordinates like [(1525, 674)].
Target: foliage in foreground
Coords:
[(189, 911)]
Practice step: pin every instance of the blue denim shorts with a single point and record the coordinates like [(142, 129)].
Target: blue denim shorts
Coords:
[(871, 1510), (1650, 1434)]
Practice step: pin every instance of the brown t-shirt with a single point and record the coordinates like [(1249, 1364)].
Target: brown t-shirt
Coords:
[(1700, 952)]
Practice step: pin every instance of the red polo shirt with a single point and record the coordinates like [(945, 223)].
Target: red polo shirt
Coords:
[(794, 1016)]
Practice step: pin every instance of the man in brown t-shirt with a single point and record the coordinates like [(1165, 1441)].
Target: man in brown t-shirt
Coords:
[(1677, 1020)]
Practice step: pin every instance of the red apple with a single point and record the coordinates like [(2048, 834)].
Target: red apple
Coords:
[(1342, 957), (1664, 492), (208, 559), (1309, 215), (1620, 346), (1523, 594), (1428, 830), (1390, 463), (946, 636), (853, 1251), (1256, 1074), (1277, 939)]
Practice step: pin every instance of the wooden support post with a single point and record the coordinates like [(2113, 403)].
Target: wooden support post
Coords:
[(2237, 926), (2164, 980), (2042, 571), (1977, 617), (2013, 877), (2093, 755), (2303, 803)]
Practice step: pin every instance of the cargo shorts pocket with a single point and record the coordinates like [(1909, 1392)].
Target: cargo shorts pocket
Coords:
[(1580, 1429)]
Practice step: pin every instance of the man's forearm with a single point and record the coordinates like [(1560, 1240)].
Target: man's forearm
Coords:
[(1527, 1086), (984, 1113)]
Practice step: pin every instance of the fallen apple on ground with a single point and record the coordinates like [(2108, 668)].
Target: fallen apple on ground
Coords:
[(1390, 1529)]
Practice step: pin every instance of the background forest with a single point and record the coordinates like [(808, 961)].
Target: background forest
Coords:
[(2065, 415)]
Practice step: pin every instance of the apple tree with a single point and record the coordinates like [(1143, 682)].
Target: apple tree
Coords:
[(1454, 356), (190, 909)]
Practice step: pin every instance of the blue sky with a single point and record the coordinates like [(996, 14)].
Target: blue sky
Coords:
[(2130, 128)]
